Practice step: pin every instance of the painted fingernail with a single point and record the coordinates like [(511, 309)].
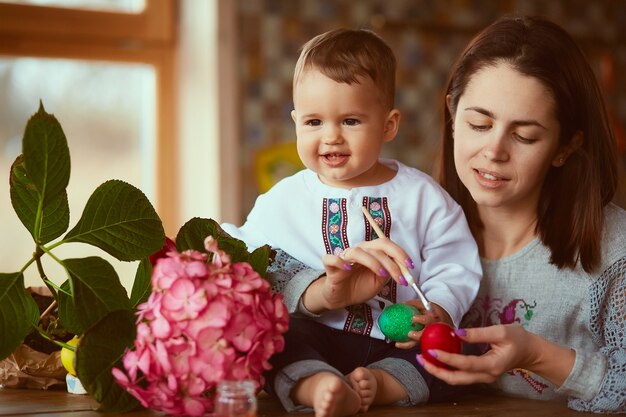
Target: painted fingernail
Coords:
[(409, 263), (347, 267), (403, 281), (383, 272), (460, 332), (432, 353), (419, 359)]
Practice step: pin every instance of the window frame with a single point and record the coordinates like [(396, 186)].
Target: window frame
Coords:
[(155, 24), (148, 37)]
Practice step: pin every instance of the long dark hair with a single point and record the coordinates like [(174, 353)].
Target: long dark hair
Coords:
[(570, 211)]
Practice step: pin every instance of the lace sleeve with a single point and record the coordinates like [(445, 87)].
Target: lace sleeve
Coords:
[(608, 326), (291, 278), (282, 269)]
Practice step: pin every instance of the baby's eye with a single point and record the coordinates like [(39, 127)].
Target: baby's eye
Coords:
[(313, 122), (351, 122), (479, 128)]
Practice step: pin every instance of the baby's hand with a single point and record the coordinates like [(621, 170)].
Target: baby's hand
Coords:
[(424, 319), (415, 335)]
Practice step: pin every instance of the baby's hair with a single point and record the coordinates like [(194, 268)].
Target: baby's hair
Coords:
[(344, 55)]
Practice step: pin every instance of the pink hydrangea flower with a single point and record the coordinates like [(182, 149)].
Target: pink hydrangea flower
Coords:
[(204, 321)]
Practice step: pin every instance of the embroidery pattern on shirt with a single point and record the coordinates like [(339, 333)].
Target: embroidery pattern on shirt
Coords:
[(359, 319), (379, 209), (334, 225), (490, 311), (334, 232)]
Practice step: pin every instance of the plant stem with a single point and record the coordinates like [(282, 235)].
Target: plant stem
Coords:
[(47, 251), (54, 245), (37, 256), (56, 342), (49, 283)]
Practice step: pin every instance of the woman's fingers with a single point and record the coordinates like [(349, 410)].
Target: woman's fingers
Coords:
[(455, 360), (455, 376), (493, 362), (491, 334), (465, 368)]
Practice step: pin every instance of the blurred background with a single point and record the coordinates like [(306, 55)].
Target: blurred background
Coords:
[(190, 100)]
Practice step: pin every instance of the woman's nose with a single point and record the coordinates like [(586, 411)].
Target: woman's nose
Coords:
[(496, 147)]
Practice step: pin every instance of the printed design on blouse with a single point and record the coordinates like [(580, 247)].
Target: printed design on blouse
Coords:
[(379, 209), (334, 225), (488, 311)]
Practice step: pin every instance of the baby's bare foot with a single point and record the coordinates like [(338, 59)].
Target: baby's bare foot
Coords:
[(364, 383), (333, 397)]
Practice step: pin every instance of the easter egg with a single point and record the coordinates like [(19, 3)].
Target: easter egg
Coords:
[(396, 321), (68, 357), (442, 337)]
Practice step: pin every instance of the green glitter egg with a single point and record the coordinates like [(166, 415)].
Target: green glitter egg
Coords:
[(396, 321)]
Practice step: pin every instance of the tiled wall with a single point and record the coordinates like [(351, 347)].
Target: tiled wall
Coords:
[(426, 36)]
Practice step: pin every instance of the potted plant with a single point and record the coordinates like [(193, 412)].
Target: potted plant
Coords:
[(90, 301)]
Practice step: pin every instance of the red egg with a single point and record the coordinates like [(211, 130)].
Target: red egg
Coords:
[(439, 336)]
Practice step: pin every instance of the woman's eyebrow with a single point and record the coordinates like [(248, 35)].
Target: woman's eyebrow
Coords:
[(481, 111), (529, 122)]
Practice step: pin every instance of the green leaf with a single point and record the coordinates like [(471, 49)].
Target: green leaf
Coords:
[(46, 155), (96, 291), (260, 259), (142, 285), (55, 215), (100, 350), (119, 219), (237, 249), (195, 231), (18, 312)]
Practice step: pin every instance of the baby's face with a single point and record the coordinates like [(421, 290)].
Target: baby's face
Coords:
[(340, 129)]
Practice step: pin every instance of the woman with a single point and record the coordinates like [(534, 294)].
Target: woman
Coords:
[(528, 152), (529, 155)]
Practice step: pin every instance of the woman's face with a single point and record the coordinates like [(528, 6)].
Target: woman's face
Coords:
[(506, 137)]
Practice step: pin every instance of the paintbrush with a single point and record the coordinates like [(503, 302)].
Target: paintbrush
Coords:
[(405, 271)]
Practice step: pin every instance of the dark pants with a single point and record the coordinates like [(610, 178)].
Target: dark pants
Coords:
[(307, 339)]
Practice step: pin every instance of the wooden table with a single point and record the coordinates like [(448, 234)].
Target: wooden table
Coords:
[(23, 402)]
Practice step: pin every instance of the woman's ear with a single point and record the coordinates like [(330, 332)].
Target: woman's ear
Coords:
[(293, 115), (391, 125), (448, 105), (566, 150)]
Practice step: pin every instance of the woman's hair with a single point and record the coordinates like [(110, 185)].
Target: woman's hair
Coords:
[(344, 55), (570, 211)]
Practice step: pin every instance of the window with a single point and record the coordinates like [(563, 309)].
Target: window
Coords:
[(108, 78)]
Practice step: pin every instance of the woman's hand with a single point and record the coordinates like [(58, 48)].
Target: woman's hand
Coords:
[(357, 276), (511, 347)]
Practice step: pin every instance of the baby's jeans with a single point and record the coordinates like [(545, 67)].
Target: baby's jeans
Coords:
[(312, 347)]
